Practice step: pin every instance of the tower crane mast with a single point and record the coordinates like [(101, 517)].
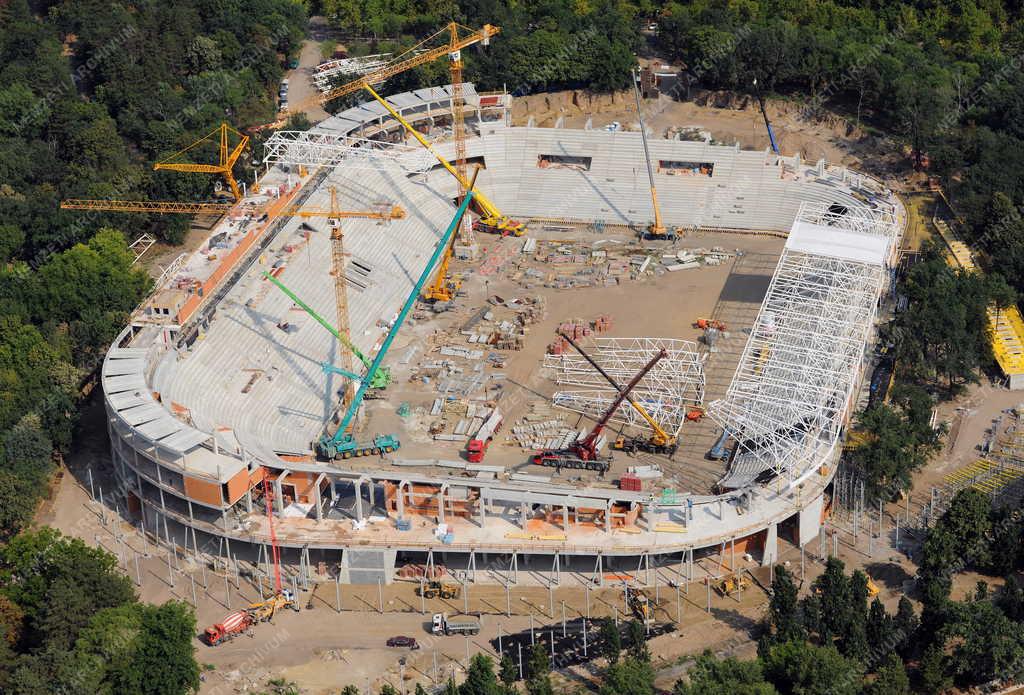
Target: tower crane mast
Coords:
[(657, 229)]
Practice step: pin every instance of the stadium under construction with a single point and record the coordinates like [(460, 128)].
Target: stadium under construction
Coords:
[(223, 387)]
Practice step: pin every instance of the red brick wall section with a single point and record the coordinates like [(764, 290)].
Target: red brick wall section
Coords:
[(227, 264)]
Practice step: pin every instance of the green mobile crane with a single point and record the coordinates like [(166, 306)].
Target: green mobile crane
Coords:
[(342, 444), (381, 378)]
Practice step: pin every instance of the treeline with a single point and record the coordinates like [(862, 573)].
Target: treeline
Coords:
[(90, 95), (945, 76), (939, 345), (70, 623), (542, 46)]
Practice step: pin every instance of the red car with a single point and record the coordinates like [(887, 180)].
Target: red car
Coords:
[(402, 641)]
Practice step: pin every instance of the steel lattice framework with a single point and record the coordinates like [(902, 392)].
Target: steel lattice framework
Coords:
[(324, 73), (674, 385), (795, 381), (318, 149)]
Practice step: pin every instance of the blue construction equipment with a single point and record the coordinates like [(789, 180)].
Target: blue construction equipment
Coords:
[(718, 451), (767, 124), (342, 444)]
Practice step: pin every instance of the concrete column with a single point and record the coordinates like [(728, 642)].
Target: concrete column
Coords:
[(482, 507), (316, 498), (810, 521), (608, 516), (440, 503), (358, 484), (400, 499), (565, 517), (771, 546), (278, 494)]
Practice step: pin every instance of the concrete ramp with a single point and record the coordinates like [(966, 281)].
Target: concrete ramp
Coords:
[(368, 566)]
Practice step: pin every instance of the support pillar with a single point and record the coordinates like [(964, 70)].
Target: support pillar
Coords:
[(771, 546)]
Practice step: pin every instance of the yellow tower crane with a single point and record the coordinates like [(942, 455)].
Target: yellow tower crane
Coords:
[(334, 215), (457, 37), (444, 287), (227, 156)]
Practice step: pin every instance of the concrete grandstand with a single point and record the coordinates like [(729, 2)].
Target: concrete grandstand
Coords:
[(217, 382)]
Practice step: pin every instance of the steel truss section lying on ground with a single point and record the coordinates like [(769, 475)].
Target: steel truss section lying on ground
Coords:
[(324, 73), (318, 149), (795, 381), (667, 392)]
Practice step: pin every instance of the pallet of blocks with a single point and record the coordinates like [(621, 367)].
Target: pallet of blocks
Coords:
[(542, 428)]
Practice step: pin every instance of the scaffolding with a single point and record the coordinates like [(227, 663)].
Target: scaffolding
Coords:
[(796, 378), (667, 392), (319, 149)]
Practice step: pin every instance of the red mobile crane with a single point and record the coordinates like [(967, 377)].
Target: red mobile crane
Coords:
[(240, 621), (583, 453)]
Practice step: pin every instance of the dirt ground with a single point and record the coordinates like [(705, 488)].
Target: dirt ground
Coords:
[(322, 650), (663, 306)]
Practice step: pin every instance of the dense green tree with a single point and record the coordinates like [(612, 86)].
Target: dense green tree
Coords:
[(628, 677), (988, 644), (898, 439), (610, 640), (60, 583), (538, 671), (891, 679), (712, 676), (480, 678), (933, 670), (508, 671), (637, 641), (784, 619), (905, 625), (798, 667), (880, 625)]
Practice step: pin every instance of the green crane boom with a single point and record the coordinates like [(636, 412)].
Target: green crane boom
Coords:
[(343, 443), (382, 377)]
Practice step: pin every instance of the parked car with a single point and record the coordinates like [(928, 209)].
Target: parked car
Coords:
[(403, 641)]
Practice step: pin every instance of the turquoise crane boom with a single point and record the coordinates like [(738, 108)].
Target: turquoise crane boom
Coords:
[(343, 444), (383, 376)]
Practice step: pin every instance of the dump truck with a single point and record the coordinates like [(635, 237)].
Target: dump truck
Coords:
[(460, 626), (442, 589), (229, 628), (477, 446)]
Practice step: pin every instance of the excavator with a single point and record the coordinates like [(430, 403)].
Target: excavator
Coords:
[(660, 442), (637, 601), (584, 453)]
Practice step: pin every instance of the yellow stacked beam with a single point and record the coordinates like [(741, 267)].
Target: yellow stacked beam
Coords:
[(1006, 325)]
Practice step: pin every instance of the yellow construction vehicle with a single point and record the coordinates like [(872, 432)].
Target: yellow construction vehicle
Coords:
[(660, 441), (491, 219), (442, 589), (657, 229), (732, 583), (264, 611), (637, 601), (445, 287)]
